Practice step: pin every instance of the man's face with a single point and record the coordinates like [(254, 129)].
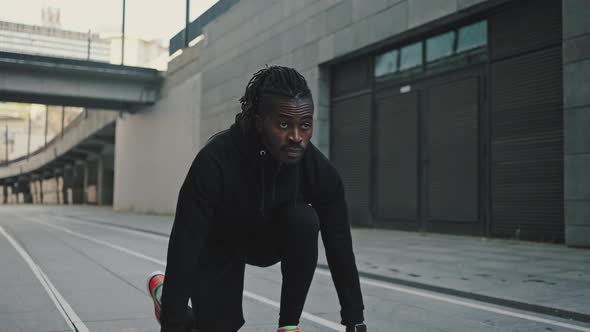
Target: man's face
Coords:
[(286, 126)]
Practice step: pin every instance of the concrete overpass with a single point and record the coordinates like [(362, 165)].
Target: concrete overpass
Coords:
[(76, 167), (54, 81)]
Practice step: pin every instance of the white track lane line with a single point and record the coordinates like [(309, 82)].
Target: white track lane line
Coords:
[(321, 321), (111, 227), (70, 316), (432, 296), (473, 305)]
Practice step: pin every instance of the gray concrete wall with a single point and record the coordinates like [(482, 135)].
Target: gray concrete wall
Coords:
[(154, 148), (576, 88), (202, 86), (302, 34)]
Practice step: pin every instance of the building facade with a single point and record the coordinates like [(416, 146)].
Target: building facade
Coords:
[(457, 116)]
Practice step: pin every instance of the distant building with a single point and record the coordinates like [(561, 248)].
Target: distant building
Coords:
[(51, 40), (139, 51), (51, 17)]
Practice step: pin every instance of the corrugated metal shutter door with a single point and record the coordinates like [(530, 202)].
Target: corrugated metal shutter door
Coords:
[(350, 152), (525, 26), (527, 130), (396, 187), (453, 167), (351, 77)]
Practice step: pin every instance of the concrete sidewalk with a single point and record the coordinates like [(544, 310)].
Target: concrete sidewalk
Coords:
[(526, 275)]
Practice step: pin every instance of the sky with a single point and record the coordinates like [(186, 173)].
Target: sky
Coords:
[(146, 18)]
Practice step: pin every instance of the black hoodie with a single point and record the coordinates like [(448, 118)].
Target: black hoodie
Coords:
[(233, 184)]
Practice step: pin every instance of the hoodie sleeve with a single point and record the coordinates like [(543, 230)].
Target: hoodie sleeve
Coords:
[(335, 230), (198, 196)]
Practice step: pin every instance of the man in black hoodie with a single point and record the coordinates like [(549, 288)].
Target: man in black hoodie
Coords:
[(258, 193)]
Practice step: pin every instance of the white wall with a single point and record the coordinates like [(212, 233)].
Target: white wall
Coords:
[(154, 149)]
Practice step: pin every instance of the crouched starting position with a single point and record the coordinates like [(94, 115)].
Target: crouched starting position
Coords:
[(258, 193)]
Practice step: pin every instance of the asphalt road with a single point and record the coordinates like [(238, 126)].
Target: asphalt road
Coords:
[(84, 269)]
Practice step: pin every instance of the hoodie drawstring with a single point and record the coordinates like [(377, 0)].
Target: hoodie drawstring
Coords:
[(262, 187), (296, 184)]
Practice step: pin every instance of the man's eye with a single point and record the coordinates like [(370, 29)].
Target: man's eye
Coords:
[(283, 125), (306, 126)]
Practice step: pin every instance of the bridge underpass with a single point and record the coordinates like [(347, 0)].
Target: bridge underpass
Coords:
[(76, 166)]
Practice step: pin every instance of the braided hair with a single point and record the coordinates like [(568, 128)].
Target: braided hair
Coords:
[(274, 80)]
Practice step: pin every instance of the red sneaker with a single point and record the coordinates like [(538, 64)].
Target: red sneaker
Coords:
[(155, 281), (292, 330)]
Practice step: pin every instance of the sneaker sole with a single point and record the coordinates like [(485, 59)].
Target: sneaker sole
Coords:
[(149, 277)]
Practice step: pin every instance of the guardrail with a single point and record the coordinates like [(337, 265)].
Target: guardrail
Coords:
[(19, 58), (83, 128), (46, 146), (195, 28)]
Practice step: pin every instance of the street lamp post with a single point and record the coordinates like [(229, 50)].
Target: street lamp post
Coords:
[(123, 36), (6, 141), (187, 22)]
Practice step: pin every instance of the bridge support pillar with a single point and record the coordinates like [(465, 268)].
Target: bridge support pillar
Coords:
[(26, 190), (77, 184), (99, 180), (4, 189), (41, 191), (104, 180), (68, 175), (86, 181)]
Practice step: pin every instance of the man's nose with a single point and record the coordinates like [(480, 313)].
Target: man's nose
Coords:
[(295, 135)]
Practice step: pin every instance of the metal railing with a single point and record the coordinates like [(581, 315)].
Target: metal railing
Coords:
[(195, 28), (65, 128)]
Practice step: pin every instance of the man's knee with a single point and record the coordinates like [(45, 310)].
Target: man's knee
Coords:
[(300, 218)]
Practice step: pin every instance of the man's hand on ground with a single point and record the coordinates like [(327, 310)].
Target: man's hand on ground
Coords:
[(357, 328)]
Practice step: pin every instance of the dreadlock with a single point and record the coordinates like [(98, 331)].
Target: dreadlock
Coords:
[(273, 80)]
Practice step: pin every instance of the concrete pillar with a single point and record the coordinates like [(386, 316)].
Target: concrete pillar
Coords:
[(85, 182), (11, 194), (33, 188), (104, 179), (68, 174), (576, 104), (108, 180), (38, 190), (58, 187), (99, 180), (25, 189), (41, 190), (16, 191), (90, 181), (77, 184), (4, 193)]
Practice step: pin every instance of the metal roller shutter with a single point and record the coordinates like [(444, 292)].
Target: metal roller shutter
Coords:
[(351, 77), (453, 150), (525, 26), (527, 124), (396, 163), (350, 152)]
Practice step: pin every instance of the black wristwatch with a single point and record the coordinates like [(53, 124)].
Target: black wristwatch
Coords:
[(357, 328)]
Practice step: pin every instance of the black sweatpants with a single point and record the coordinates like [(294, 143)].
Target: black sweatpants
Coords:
[(290, 238)]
